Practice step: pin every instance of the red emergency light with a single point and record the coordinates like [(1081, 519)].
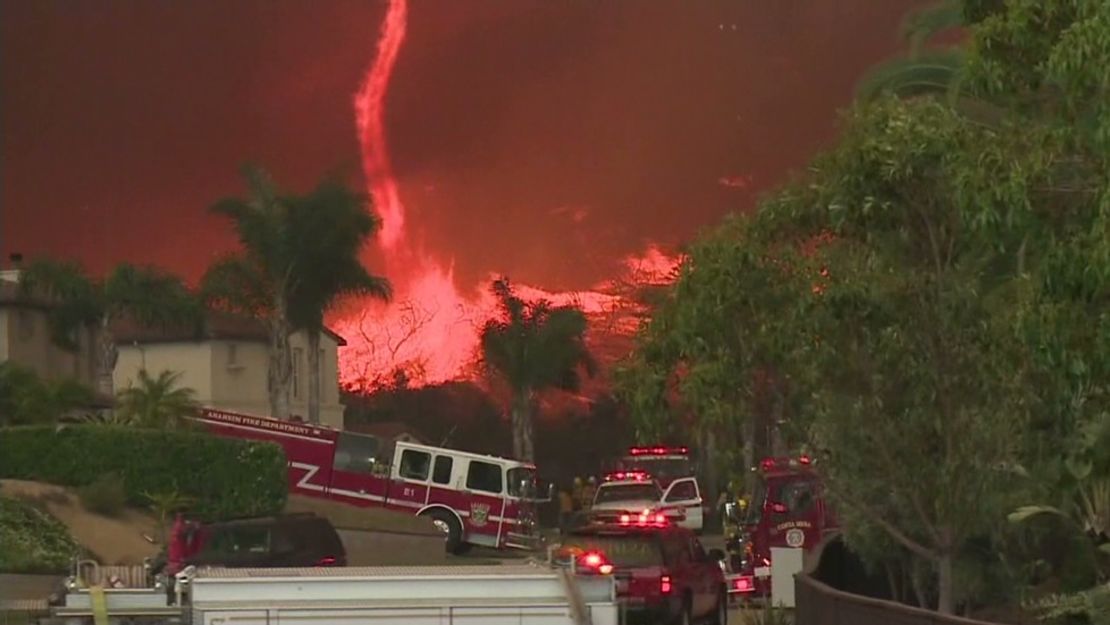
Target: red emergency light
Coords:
[(743, 584), (630, 476), (768, 464), (594, 560), (658, 450), (647, 518)]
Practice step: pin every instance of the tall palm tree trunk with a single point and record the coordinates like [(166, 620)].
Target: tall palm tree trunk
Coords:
[(523, 434), (314, 375), (106, 357), (281, 363)]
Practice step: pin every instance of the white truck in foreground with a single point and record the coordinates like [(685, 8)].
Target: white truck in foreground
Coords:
[(527, 594)]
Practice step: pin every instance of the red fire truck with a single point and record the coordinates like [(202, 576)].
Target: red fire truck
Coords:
[(474, 499), (664, 463), (787, 509)]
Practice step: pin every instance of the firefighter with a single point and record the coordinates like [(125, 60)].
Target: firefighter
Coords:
[(566, 509), (588, 492)]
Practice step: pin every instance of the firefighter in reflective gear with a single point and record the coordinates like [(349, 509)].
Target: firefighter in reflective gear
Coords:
[(566, 509)]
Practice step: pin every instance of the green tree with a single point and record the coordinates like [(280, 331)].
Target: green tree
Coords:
[(147, 295), (533, 347), (338, 225), (156, 402), (25, 398)]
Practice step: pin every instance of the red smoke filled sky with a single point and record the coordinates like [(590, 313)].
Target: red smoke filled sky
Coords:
[(544, 138)]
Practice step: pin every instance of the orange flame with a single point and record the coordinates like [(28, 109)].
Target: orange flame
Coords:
[(429, 332)]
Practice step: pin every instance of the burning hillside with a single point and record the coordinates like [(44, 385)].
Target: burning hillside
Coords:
[(429, 333)]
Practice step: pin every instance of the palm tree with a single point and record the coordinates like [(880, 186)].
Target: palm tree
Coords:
[(336, 226), (258, 280), (923, 70), (299, 255), (534, 347), (77, 301), (156, 402)]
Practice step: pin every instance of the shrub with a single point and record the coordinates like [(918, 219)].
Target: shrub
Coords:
[(224, 477), (32, 541), (105, 495)]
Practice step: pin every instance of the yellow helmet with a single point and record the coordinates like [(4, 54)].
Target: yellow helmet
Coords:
[(577, 481)]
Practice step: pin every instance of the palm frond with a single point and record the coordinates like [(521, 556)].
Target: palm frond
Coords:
[(236, 284), (922, 25), (933, 73), (76, 300), (151, 296)]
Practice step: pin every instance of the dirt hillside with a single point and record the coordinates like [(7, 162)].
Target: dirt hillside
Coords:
[(117, 540)]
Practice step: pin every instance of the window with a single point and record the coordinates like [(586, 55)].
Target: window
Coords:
[(298, 368), (414, 464), (356, 453), (484, 476), (522, 483), (441, 474), (683, 491), (798, 497), (609, 493)]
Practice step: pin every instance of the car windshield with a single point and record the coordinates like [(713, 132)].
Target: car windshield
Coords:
[(661, 468), (609, 493), (522, 483), (621, 551)]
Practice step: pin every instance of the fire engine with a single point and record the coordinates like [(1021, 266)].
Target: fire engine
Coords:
[(664, 463), (787, 509), (474, 499)]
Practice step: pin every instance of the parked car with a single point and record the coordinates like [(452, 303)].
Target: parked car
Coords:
[(292, 540), (663, 573)]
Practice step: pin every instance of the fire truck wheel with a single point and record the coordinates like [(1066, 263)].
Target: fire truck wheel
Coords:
[(449, 525)]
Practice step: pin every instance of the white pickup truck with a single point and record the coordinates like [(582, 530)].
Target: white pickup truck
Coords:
[(528, 594)]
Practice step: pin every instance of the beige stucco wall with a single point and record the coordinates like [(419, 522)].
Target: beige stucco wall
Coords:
[(331, 411), (235, 382), (192, 360), (25, 340)]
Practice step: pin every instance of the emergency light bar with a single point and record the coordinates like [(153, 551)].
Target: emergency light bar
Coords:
[(771, 463), (627, 476), (658, 450)]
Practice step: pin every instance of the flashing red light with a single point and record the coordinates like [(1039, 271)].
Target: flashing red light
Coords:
[(605, 569), (621, 476), (658, 450), (767, 464), (778, 508), (665, 586), (326, 561), (592, 560), (743, 584), (647, 518), (804, 459)]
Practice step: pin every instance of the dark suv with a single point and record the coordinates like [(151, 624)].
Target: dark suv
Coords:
[(294, 540), (663, 574)]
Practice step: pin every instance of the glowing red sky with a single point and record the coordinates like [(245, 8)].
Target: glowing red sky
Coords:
[(549, 138)]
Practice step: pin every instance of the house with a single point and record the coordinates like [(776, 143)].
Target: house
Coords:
[(226, 363), (25, 338)]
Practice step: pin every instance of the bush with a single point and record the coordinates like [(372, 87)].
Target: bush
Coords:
[(225, 478), (105, 495), (32, 541)]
